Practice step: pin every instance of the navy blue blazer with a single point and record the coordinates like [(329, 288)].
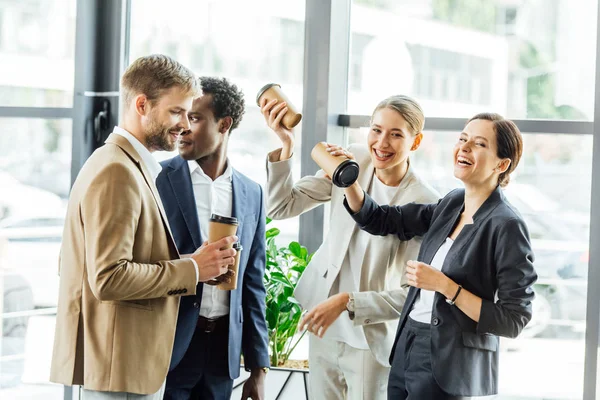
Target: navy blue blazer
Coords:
[(247, 324), (491, 258)]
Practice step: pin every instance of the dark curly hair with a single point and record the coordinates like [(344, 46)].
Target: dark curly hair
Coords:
[(227, 99)]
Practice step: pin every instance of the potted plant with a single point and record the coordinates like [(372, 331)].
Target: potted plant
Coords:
[(284, 267)]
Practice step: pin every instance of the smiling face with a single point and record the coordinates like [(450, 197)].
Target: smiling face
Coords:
[(166, 119), (476, 160), (390, 139), (206, 135)]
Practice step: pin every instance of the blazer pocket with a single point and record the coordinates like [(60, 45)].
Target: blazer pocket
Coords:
[(141, 304), (482, 342)]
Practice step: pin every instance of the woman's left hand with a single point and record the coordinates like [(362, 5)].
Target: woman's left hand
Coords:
[(423, 276), (320, 318), (339, 151)]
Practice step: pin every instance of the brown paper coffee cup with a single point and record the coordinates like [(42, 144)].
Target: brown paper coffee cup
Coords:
[(342, 170), (220, 227), (235, 268), (273, 91)]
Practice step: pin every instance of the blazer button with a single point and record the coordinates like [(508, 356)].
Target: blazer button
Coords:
[(435, 321), (184, 291), (170, 293), (196, 304), (367, 321)]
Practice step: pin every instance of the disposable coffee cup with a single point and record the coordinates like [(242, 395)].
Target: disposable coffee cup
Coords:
[(342, 170), (273, 91), (235, 268), (220, 227)]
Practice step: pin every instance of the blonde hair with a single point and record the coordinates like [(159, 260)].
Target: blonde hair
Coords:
[(153, 75), (406, 106)]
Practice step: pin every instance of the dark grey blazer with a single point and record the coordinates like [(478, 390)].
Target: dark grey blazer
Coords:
[(491, 258)]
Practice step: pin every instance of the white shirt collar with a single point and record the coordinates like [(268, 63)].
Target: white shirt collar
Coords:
[(226, 175), (149, 161)]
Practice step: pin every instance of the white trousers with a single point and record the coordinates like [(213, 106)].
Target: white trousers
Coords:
[(95, 395), (341, 372)]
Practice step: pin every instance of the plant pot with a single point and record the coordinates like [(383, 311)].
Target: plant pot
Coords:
[(292, 377), (295, 364)]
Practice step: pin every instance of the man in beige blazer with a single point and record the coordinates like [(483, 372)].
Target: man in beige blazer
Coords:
[(120, 273)]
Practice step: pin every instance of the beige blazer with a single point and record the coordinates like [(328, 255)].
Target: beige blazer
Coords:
[(383, 286), (118, 296)]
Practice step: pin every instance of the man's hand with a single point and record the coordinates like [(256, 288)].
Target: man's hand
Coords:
[(254, 388), (227, 277), (212, 261), (324, 314)]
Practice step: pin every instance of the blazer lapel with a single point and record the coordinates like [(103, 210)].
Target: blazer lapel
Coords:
[(128, 148), (239, 197), (181, 183), (469, 230), (365, 179), (238, 189)]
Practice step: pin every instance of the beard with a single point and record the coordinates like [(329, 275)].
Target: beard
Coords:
[(158, 137)]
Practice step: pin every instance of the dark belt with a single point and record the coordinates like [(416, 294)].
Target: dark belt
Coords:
[(209, 325)]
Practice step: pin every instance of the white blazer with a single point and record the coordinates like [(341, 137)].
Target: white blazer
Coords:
[(383, 286)]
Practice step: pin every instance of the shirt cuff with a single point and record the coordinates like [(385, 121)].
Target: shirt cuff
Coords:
[(195, 266)]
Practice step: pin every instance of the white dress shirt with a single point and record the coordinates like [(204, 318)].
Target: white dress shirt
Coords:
[(423, 306), (212, 197), (150, 163)]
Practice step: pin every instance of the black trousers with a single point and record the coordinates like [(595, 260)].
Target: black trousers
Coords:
[(411, 376), (203, 373)]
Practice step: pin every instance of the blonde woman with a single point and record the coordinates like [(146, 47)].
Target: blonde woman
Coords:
[(354, 288)]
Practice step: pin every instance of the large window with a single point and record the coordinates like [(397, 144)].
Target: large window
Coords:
[(35, 178), (523, 59), (37, 45), (249, 43), (526, 59)]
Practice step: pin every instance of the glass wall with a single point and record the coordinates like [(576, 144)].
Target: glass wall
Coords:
[(523, 59), (34, 177), (518, 59), (249, 43), (37, 46)]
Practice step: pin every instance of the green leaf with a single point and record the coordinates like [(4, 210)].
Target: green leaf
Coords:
[(279, 277), (271, 318), (293, 300), (296, 249), (271, 233), (304, 253), (298, 268), (287, 307)]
